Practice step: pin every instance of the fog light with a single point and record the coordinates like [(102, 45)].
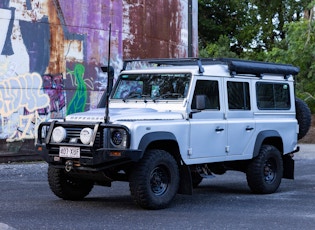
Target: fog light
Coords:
[(86, 135), (59, 134)]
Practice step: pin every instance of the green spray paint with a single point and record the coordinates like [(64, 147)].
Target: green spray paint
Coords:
[(78, 101)]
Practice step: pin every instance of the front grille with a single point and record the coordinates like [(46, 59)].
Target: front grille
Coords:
[(73, 134)]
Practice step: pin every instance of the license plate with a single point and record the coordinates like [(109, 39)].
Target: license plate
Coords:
[(70, 152)]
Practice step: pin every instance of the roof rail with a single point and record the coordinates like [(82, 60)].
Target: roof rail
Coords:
[(236, 66)]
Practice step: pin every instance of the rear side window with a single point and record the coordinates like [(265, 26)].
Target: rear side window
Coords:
[(274, 96), (238, 95)]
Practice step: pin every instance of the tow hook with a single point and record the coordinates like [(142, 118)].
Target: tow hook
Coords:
[(69, 166)]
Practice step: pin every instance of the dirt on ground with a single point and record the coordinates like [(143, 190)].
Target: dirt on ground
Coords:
[(310, 136)]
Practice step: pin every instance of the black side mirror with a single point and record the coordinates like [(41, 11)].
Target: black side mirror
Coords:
[(201, 102)]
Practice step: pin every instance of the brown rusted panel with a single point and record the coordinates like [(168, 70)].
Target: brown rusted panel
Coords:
[(57, 40), (154, 29)]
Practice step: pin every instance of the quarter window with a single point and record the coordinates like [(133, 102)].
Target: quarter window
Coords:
[(274, 96)]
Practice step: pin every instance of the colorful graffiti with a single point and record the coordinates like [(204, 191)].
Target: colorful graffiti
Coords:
[(14, 102), (50, 56), (53, 86), (78, 101)]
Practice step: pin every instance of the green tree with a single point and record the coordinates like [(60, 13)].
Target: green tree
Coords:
[(231, 19), (298, 48), (251, 25), (219, 49)]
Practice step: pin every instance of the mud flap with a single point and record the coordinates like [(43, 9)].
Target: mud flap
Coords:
[(288, 167), (185, 184)]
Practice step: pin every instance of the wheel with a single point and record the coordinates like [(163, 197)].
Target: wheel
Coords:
[(155, 180), (66, 187), (303, 116), (265, 171)]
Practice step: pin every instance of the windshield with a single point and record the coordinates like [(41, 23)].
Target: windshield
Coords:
[(152, 86)]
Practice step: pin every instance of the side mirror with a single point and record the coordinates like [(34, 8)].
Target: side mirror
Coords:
[(201, 102)]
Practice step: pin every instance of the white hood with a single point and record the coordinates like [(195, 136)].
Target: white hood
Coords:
[(116, 114)]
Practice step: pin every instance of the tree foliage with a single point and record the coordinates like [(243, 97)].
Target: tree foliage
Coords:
[(279, 31)]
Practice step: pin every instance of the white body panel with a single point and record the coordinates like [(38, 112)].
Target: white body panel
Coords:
[(205, 136)]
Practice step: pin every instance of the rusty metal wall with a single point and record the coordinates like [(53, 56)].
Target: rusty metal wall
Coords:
[(51, 52)]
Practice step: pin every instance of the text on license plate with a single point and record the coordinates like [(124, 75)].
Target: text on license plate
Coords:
[(71, 152)]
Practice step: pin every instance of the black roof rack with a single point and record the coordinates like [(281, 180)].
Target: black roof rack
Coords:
[(236, 66)]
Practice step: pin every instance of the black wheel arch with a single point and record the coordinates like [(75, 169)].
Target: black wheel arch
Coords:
[(160, 140), (271, 137)]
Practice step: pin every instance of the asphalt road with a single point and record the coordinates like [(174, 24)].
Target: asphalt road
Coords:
[(223, 202)]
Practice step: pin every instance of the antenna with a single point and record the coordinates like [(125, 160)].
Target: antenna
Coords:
[(109, 73)]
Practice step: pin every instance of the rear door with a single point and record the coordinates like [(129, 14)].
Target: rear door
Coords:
[(240, 117)]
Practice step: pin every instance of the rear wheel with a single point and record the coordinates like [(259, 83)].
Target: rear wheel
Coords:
[(66, 187), (155, 180), (265, 171)]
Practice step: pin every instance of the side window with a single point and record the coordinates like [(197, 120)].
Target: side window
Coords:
[(238, 95), (211, 90), (273, 95)]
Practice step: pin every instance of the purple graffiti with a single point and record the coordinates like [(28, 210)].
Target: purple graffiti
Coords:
[(53, 86)]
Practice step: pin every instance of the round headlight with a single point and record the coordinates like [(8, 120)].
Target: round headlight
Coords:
[(86, 135), (59, 134), (117, 137)]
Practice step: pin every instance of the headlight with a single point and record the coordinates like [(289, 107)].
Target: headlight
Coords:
[(86, 135), (59, 134), (119, 138)]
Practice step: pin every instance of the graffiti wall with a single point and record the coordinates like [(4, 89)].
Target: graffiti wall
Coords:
[(51, 52)]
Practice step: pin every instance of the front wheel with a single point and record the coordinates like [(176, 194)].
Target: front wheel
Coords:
[(66, 187), (265, 171), (155, 180)]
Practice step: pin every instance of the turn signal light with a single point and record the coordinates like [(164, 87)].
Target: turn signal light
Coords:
[(115, 154)]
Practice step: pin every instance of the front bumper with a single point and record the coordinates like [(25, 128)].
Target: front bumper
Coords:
[(94, 161), (99, 154)]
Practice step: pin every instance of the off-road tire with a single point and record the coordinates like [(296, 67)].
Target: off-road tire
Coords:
[(66, 187), (264, 172), (155, 179), (303, 116)]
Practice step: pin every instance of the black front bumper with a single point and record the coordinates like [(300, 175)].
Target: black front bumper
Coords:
[(96, 159), (99, 154)]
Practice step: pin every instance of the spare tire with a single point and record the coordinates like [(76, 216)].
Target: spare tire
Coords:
[(303, 116)]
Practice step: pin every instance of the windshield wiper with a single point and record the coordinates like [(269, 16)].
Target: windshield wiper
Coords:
[(168, 95), (133, 95)]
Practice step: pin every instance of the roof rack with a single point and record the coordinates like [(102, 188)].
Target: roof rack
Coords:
[(236, 66), (168, 61)]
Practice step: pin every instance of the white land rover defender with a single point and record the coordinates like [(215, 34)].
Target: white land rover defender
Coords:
[(166, 127)]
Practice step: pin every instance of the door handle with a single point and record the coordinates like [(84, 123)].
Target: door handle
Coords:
[(218, 129), (249, 128)]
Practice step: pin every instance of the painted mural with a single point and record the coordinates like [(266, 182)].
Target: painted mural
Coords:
[(51, 52)]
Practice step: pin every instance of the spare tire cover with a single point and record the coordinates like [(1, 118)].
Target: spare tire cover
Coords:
[(303, 116)]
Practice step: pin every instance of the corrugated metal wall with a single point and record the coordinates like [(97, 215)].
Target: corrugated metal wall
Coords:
[(51, 51)]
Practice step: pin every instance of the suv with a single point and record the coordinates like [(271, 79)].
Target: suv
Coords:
[(165, 127)]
